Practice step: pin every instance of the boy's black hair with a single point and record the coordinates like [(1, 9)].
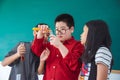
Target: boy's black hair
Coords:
[(98, 35), (67, 18)]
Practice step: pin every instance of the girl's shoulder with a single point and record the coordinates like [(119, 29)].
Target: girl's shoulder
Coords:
[(104, 51), (104, 56)]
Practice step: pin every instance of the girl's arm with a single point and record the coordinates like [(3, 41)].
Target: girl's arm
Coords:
[(102, 71), (10, 59), (41, 67), (43, 58)]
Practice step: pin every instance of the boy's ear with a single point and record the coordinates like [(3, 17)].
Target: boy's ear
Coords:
[(72, 29)]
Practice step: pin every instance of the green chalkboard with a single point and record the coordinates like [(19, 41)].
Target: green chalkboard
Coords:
[(17, 17)]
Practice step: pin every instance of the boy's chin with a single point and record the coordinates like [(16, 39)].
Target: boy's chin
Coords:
[(62, 40)]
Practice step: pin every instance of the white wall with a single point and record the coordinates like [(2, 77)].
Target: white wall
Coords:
[(5, 71)]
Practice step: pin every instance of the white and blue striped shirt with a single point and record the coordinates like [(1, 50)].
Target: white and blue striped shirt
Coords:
[(103, 56)]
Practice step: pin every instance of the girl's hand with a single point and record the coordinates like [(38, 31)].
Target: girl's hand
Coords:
[(21, 49), (44, 55)]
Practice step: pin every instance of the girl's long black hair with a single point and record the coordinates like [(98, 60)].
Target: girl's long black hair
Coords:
[(98, 35)]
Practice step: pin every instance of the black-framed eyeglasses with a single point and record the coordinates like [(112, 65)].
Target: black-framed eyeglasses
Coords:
[(61, 31)]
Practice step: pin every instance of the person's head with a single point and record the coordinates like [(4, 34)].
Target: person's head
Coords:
[(64, 26), (95, 34)]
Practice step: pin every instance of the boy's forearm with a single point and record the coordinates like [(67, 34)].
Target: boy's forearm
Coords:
[(37, 46), (63, 50)]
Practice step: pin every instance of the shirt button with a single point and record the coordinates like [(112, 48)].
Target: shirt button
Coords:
[(57, 55), (54, 67), (52, 79)]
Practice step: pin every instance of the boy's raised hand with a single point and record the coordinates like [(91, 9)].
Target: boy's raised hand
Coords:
[(42, 31), (55, 41)]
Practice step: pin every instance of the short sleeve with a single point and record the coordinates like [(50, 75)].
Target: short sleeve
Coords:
[(103, 56)]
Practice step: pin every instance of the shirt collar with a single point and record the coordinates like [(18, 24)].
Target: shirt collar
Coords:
[(69, 41)]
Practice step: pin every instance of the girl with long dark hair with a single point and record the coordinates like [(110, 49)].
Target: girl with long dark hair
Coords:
[(97, 57)]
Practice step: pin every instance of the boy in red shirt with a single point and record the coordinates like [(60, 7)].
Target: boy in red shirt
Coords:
[(65, 51)]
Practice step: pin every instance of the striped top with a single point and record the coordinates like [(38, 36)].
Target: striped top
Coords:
[(103, 56)]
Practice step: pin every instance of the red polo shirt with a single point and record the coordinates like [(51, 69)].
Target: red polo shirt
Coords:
[(57, 67)]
